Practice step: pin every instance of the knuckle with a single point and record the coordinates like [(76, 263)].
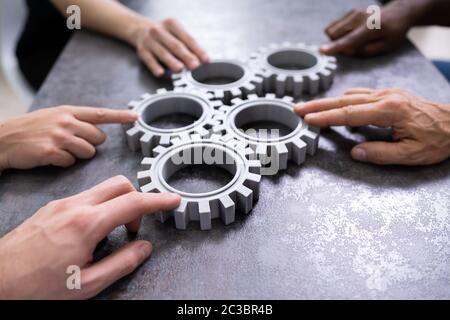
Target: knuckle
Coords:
[(57, 205), (156, 30), (65, 120), (50, 151), (397, 101), (100, 113), (81, 219), (64, 109), (58, 135), (170, 21), (124, 182)]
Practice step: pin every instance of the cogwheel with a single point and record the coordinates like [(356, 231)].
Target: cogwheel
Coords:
[(225, 78), (239, 194), (273, 151), (142, 135), (293, 69)]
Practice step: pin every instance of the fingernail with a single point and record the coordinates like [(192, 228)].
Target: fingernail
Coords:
[(205, 57), (359, 154), (325, 47), (173, 196), (133, 115), (298, 106), (194, 63), (179, 67), (146, 249)]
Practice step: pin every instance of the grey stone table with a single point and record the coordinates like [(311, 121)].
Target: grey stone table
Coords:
[(333, 228)]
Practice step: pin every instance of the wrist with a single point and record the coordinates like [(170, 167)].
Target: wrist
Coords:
[(414, 11)]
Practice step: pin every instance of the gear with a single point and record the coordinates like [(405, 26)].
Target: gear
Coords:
[(273, 151), (142, 135), (293, 69), (240, 193), (225, 78)]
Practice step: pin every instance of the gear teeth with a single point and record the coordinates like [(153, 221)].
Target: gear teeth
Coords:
[(274, 153), (148, 188), (181, 215), (298, 151), (248, 82), (147, 143), (163, 216), (312, 140), (244, 197), (204, 212), (147, 162), (255, 166), (313, 83), (133, 104), (282, 81), (144, 177), (282, 155), (227, 209), (158, 150), (240, 194), (144, 137), (288, 99), (252, 181), (133, 136)]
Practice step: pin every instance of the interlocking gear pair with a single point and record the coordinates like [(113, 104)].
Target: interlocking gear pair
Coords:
[(225, 96)]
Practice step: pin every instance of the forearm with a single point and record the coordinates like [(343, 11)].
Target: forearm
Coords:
[(107, 16), (425, 12)]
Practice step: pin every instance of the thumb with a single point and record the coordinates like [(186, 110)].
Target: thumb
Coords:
[(382, 153), (102, 274)]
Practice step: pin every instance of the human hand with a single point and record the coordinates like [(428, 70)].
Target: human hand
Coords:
[(421, 129), (34, 257), (55, 136), (350, 35), (167, 43)]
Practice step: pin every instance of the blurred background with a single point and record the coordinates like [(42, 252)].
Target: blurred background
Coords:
[(16, 95)]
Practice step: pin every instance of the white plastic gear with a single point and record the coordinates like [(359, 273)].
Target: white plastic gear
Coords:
[(279, 65), (277, 150), (141, 135), (238, 194), (245, 81)]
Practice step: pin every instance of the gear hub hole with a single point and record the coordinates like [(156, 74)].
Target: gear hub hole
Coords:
[(199, 169), (292, 60), (260, 121), (172, 112), (218, 73)]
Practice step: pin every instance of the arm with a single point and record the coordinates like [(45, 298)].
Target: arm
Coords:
[(35, 257), (163, 42), (420, 128), (351, 36)]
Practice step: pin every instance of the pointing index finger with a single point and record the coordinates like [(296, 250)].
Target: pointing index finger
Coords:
[(332, 103), (103, 115), (354, 115)]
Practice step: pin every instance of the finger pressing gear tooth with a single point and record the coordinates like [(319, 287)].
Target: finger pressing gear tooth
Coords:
[(293, 69), (145, 136), (239, 194), (272, 148)]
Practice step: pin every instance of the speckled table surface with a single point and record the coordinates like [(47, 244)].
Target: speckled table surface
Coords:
[(330, 229)]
